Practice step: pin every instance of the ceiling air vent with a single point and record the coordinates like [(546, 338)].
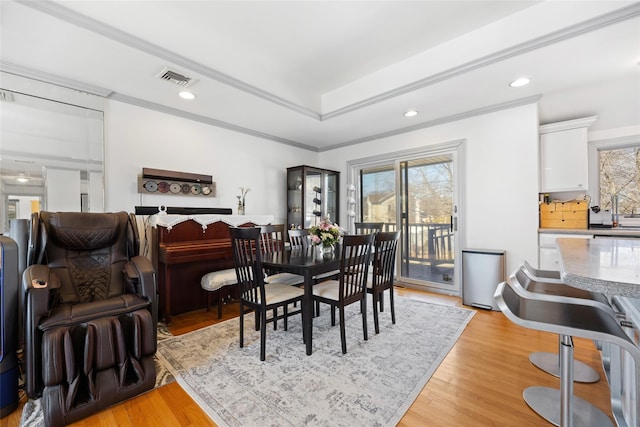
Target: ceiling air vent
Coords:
[(175, 77)]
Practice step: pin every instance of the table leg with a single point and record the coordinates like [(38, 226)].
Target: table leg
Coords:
[(307, 312)]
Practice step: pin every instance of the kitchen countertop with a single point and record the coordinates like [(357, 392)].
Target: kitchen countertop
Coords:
[(613, 232), (610, 266)]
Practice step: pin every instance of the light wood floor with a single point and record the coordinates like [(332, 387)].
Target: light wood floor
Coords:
[(479, 383)]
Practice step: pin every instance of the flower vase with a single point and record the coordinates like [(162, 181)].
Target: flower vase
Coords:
[(327, 250), (240, 208)]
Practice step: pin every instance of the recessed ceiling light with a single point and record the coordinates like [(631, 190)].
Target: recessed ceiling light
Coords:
[(411, 113), (519, 82), (22, 179), (186, 95)]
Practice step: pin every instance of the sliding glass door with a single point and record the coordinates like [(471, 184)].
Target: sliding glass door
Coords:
[(418, 196), (426, 215)]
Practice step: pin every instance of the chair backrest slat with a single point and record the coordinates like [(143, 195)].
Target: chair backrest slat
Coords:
[(354, 266), (299, 239), (384, 258), (272, 238), (368, 227), (245, 243)]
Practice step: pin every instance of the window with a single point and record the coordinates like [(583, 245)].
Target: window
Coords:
[(620, 176), (617, 174), (378, 195)]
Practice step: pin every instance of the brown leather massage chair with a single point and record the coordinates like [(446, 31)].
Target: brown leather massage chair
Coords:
[(90, 313)]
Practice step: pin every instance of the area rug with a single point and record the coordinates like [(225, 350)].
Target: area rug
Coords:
[(372, 385), (32, 415)]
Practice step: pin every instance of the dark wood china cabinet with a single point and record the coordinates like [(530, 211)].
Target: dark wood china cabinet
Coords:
[(312, 195)]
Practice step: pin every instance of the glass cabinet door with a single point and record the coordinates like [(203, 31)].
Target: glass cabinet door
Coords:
[(330, 197), (312, 195), (313, 198), (294, 198)]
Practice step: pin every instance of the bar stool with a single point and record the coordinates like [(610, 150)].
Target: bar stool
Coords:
[(561, 407), (216, 280), (546, 284)]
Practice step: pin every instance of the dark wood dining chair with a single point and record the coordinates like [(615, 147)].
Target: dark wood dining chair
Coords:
[(351, 286), (254, 295), (299, 238), (272, 238), (368, 227), (384, 268)]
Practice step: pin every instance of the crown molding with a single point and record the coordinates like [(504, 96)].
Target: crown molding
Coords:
[(95, 90), (537, 43), (54, 79), (72, 17), (109, 94), (207, 120), (583, 122), (439, 121), (112, 33)]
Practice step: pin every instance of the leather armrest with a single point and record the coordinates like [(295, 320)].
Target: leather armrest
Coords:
[(37, 283), (39, 276), (141, 274)]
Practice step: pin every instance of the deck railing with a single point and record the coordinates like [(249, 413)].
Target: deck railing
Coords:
[(427, 242)]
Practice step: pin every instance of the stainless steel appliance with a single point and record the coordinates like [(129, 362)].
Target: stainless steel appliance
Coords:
[(482, 271)]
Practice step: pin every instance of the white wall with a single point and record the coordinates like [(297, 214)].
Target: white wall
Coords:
[(96, 192), (24, 207), (136, 138), (501, 176), (501, 170), (63, 190)]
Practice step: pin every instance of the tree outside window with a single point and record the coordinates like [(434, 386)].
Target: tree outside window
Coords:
[(620, 176), (430, 189)]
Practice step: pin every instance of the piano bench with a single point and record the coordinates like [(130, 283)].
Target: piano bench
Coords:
[(216, 280)]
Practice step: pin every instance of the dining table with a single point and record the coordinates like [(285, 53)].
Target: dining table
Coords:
[(307, 262)]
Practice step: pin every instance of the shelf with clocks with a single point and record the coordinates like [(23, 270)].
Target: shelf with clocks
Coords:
[(175, 183)]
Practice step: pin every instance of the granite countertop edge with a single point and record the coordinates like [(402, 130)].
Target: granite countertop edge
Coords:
[(614, 232), (606, 287)]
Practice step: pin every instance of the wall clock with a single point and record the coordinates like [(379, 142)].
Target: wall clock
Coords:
[(171, 186), (163, 187), (150, 186)]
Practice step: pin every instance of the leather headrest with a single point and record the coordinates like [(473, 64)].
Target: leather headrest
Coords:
[(83, 231)]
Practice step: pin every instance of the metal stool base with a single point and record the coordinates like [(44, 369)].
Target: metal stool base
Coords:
[(545, 401), (550, 363)]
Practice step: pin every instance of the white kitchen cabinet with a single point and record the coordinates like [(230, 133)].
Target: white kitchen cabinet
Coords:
[(564, 158), (549, 257)]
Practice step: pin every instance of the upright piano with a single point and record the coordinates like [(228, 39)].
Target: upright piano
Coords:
[(185, 248)]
